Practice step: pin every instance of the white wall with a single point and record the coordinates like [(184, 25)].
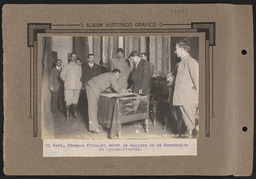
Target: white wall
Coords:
[(63, 47)]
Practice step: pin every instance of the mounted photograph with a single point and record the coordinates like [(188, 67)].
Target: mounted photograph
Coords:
[(120, 87)]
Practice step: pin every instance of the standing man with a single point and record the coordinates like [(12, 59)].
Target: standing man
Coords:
[(71, 75), (94, 88), (123, 64), (90, 69), (56, 88), (186, 88), (140, 75), (144, 56)]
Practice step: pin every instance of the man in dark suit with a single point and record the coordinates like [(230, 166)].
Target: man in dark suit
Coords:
[(94, 87), (90, 69), (56, 88), (103, 69), (140, 75)]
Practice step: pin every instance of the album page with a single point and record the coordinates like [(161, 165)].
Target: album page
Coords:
[(164, 89)]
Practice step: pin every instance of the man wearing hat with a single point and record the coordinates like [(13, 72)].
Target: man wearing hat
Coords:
[(186, 87)]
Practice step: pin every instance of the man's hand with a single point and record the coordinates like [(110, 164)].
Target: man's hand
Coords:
[(140, 92), (131, 63), (129, 90), (171, 79), (51, 88), (122, 91), (83, 87)]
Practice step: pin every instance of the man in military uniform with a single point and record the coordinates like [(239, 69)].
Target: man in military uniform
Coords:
[(186, 87), (71, 75)]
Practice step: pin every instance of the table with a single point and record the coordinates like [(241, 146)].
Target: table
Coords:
[(116, 109)]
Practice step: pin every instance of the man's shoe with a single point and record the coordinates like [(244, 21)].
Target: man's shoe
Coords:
[(189, 134), (75, 110), (68, 112), (96, 131)]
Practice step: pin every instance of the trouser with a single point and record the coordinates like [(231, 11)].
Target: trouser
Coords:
[(177, 115), (188, 114), (71, 96), (57, 101), (92, 109)]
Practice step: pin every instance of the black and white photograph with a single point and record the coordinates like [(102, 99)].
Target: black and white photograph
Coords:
[(129, 87)]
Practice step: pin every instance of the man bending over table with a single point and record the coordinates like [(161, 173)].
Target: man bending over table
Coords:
[(94, 87)]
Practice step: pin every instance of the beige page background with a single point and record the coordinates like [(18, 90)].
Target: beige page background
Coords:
[(228, 150)]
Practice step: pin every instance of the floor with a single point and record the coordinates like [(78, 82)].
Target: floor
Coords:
[(55, 126)]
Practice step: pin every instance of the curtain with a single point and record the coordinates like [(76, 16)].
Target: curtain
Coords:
[(160, 54), (47, 65), (81, 48), (161, 49), (109, 47)]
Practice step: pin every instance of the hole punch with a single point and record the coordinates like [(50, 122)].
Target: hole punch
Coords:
[(244, 128), (244, 52)]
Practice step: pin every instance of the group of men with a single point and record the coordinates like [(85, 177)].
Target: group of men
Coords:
[(131, 75), (127, 75)]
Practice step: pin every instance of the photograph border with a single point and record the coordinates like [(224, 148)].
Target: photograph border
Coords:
[(209, 28)]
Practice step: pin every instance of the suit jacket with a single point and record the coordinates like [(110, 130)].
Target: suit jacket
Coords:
[(186, 83), (54, 79), (71, 75), (102, 82), (103, 69), (88, 72), (140, 77)]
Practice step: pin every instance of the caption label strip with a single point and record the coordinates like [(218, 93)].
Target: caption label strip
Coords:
[(125, 148)]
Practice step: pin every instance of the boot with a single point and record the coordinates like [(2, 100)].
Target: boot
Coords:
[(75, 110), (68, 111)]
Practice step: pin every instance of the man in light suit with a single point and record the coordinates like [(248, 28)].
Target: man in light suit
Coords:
[(94, 87), (186, 88), (71, 75), (56, 88), (140, 75)]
